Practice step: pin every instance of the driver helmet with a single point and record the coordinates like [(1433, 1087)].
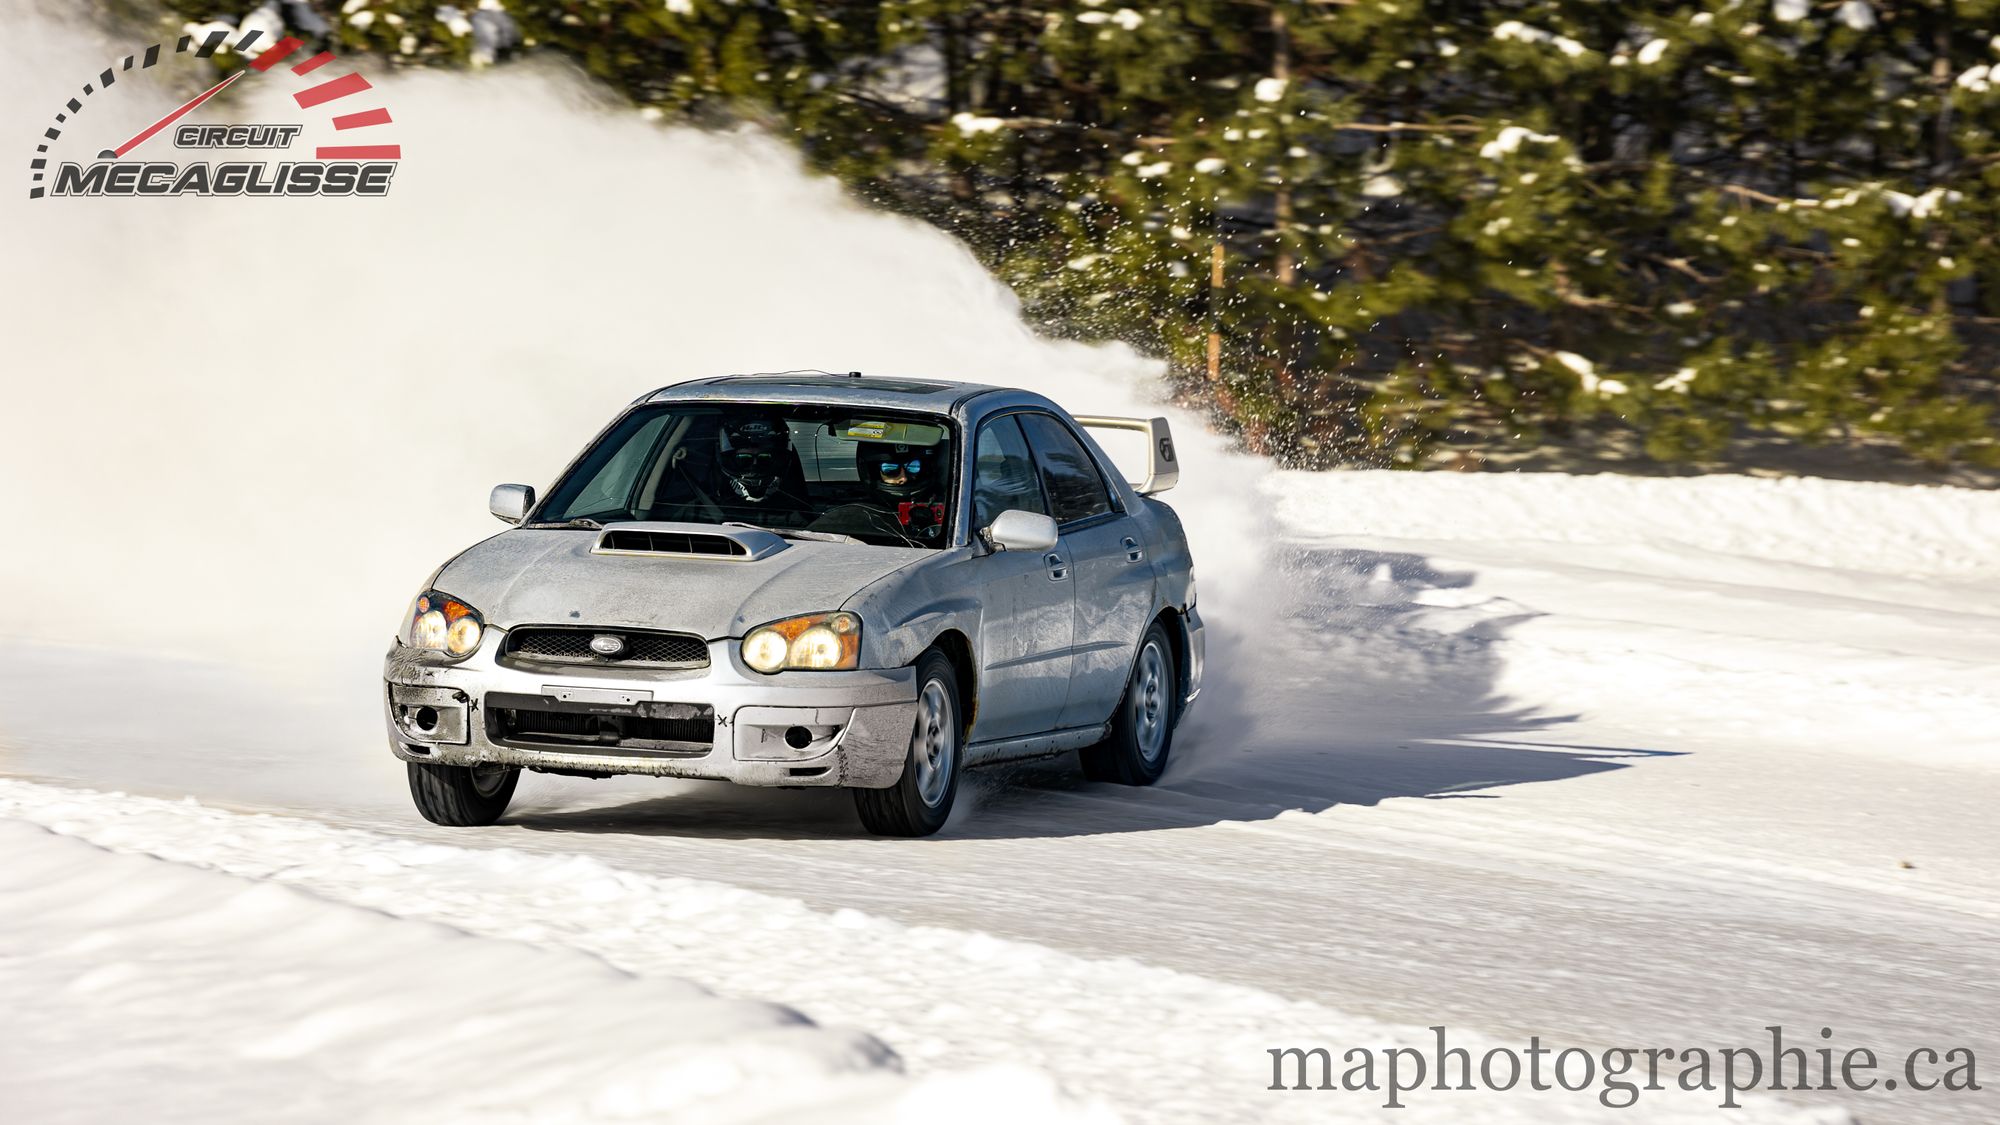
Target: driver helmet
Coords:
[(752, 452), (901, 473)]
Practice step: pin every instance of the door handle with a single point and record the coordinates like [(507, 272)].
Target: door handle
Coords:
[(1058, 570), (1133, 552)]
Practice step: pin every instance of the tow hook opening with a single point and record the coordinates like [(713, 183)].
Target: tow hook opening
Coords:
[(429, 715), (787, 734)]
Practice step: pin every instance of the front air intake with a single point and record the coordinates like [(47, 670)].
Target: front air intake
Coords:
[(670, 543), (689, 541)]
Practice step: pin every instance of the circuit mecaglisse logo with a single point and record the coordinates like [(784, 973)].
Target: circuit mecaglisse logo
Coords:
[(365, 168)]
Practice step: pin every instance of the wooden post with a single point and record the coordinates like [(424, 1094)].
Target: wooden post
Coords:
[(1215, 313)]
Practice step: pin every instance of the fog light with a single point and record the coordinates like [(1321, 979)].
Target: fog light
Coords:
[(798, 738)]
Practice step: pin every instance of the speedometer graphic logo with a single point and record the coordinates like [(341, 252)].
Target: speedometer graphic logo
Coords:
[(102, 153)]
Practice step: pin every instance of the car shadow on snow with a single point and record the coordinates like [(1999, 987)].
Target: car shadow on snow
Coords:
[(1357, 676)]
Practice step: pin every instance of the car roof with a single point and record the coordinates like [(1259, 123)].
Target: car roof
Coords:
[(939, 395)]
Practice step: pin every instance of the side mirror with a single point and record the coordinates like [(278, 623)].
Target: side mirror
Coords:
[(510, 503), (1016, 530)]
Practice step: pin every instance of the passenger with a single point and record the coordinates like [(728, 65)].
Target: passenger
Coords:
[(905, 501), (908, 479)]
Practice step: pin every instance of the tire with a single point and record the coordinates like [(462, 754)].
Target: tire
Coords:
[(920, 801), (462, 796), (1142, 729)]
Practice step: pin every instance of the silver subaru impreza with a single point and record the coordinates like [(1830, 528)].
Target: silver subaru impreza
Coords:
[(809, 580)]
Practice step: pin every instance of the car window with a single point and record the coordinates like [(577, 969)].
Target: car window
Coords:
[(1074, 485), (882, 477), (1004, 474)]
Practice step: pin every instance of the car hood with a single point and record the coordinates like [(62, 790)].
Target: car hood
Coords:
[(532, 576)]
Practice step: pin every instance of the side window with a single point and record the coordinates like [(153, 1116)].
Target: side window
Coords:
[(1075, 487), (1003, 474)]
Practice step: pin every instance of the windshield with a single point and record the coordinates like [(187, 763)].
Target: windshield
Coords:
[(878, 476)]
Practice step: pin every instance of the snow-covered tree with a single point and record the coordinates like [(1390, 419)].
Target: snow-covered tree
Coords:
[(1395, 231)]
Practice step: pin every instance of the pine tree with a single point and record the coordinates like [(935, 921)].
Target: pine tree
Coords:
[(1392, 232)]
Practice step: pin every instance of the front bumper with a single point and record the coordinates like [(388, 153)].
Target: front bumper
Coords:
[(723, 722)]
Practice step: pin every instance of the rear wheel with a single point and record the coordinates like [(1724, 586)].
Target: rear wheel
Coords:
[(462, 796), (920, 801), (1142, 730)]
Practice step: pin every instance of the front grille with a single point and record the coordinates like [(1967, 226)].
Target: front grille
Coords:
[(674, 730), (643, 648)]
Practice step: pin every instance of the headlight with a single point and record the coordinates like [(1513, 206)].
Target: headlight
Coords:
[(818, 642), (442, 622)]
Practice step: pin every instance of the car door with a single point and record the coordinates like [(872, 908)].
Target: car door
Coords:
[(1114, 579), (1028, 597)]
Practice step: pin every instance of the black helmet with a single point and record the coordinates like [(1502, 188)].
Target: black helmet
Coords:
[(751, 451), (902, 473)]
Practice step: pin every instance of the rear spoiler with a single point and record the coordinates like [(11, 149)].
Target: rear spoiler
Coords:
[(1162, 471)]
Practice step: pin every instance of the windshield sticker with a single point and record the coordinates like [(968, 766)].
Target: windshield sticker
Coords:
[(902, 433)]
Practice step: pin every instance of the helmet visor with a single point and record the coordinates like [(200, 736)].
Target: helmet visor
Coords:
[(750, 460), (899, 472)]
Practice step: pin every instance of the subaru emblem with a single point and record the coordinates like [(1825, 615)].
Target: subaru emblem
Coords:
[(607, 644)]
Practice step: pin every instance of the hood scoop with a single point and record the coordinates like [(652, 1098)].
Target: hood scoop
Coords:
[(688, 541)]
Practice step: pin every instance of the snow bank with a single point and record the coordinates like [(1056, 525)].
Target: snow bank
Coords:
[(164, 992), (1888, 529), (182, 968), (151, 985), (1684, 611)]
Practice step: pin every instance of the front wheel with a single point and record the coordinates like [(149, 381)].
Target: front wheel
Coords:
[(462, 796), (920, 801), (1142, 731)]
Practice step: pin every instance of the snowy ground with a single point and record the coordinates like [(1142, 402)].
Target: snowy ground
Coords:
[(1606, 761), (144, 989), (1612, 762)]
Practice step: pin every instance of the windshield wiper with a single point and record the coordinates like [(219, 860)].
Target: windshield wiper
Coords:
[(789, 533), (580, 521)]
